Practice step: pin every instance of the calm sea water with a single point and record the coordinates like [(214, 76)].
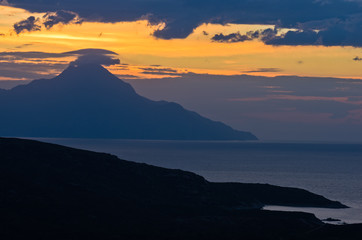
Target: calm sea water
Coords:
[(332, 170)]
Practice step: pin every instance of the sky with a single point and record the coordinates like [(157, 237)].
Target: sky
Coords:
[(305, 56)]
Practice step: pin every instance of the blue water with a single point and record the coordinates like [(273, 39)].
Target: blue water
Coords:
[(332, 170)]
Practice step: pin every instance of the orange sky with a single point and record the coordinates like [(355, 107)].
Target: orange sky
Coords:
[(134, 43)]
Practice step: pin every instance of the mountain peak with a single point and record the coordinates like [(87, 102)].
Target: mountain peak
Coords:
[(87, 101), (93, 77), (90, 70)]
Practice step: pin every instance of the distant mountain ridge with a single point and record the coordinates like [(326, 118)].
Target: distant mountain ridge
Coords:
[(87, 101), (8, 84)]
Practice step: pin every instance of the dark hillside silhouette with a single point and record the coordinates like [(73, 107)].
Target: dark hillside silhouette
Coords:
[(53, 192)]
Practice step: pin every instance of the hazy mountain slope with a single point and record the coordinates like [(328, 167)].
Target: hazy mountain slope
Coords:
[(8, 84), (87, 101)]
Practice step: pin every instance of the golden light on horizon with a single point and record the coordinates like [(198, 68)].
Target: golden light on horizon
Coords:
[(136, 45)]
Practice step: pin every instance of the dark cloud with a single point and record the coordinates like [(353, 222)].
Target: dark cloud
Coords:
[(30, 70), (23, 45), (295, 38), (357, 59), (266, 70), (60, 17), (44, 55), (49, 20), (30, 55), (4, 2), (264, 35), (183, 16), (30, 24), (105, 60), (121, 67), (157, 70), (180, 28), (93, 51), (330, 32), (126, 76), (160, 71), (270, 36), (230, 38), (37, 64), (94, 56)]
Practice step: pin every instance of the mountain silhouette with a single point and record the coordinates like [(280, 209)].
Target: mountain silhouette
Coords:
[(87, 101)]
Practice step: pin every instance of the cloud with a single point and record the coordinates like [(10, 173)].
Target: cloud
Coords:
[(273, 37), (266, 70), (297, 98), (60, 17), (49, 20), (328, 32), (44, 55), (30, 24), (295, 38), (34, 65), (98, 59), (127, 76), (4, 2), (30, 70), (331, 32), (151, 69), (178, 28), (94, 56), (96, 51), (30, 55), (230, 38), (264, 35), (181, 17), (23, 45), (160, 71)]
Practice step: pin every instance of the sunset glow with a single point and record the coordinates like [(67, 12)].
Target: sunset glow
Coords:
[(134, 43)]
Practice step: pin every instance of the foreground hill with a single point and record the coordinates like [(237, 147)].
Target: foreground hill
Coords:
[(87, 101), (54, 192)]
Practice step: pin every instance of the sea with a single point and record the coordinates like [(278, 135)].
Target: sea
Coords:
[(333, 170)]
